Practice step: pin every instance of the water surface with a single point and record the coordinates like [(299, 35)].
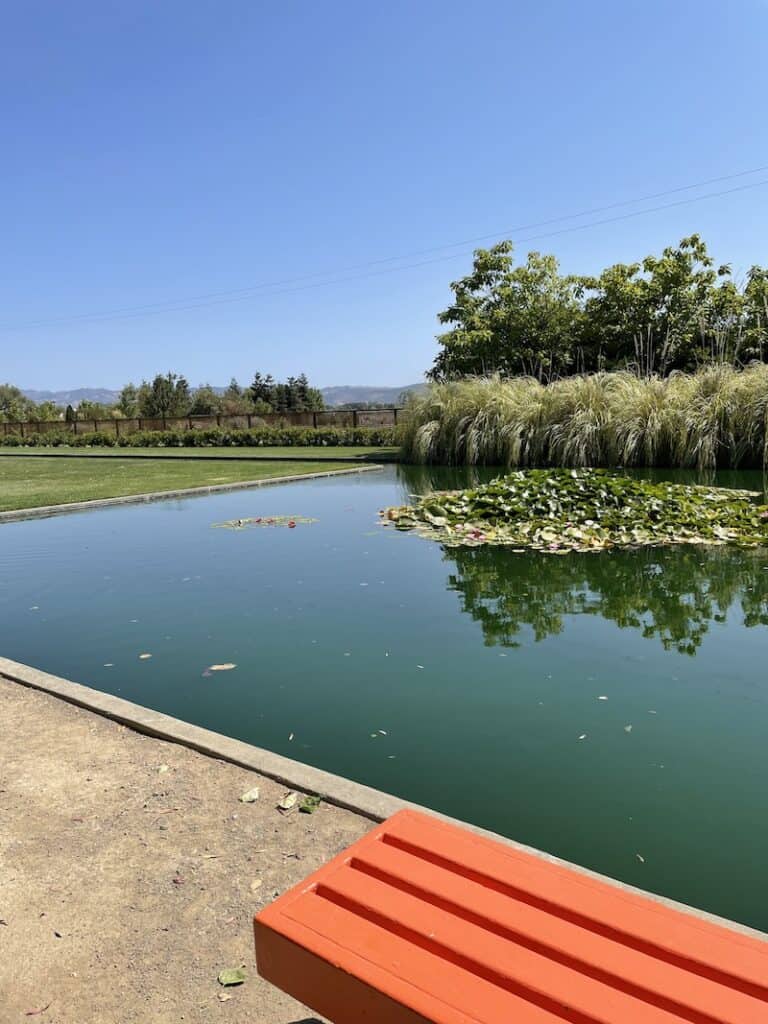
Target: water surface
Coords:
[(462, 679)]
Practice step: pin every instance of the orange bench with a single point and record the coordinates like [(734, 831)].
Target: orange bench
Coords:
[(422, 921)]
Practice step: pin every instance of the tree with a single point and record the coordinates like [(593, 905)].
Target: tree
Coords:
[(88, 410), (205, 402), (128, 402), (14, 406), (509, 320), (69, 414), (48, 411), (662, 307), (237, 401), (166, 396), (262, 389)]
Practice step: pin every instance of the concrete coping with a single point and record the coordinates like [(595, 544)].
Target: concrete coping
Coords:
[(44, 511), (335, 789)]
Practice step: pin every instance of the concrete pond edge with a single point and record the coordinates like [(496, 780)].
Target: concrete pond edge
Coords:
[(370, 803), (44, 511)]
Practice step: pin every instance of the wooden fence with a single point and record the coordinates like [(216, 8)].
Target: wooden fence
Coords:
[(118, 427)]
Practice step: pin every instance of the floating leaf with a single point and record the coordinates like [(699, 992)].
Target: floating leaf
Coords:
[(251, 796), (640, 857), (558, 511), (583, 736), (143, 657), (226, 666), (232, 976), (291, 522), (627, 728)]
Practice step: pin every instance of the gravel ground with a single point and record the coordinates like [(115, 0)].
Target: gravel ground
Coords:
[(130, 872)]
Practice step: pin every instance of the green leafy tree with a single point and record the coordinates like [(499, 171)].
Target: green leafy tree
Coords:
[(263, 390), (205, 402), (167, 395), (69, 414), (88, 410), (237, 401), (48, 411), (510, 320), (14, 406), (128, 402)]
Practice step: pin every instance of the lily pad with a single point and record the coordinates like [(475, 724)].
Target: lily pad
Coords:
[(559, 511), (291, 522)]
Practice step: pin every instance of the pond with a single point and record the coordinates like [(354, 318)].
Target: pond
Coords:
[(609, 708)]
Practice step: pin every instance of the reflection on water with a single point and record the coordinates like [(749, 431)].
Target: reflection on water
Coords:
[(668, 594)]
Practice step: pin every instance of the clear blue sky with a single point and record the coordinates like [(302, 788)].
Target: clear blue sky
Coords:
[(154, 152)]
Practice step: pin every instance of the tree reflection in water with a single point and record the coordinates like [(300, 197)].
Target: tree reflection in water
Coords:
[(671, 594)]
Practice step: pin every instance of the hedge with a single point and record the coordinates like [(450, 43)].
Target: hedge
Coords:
[(288, 437)]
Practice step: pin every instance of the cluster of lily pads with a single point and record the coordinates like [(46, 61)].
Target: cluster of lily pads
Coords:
[(241, 524), (585, 510)]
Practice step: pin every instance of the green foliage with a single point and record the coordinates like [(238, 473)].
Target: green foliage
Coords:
[(167, 395), (561, 511), (206, 402), (128, 402), (717, 416), (14, 407), (217, 437), (673, 311), (510, 320), (295, 395)]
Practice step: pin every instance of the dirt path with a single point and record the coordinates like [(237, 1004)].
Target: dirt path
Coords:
[(125, 886)]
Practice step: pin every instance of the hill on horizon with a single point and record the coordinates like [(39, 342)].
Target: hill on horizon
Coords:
[(343, 394)]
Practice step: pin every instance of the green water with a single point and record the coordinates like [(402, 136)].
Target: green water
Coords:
[(459, 679)]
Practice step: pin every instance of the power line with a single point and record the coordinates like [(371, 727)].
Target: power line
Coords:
[(255, 291)]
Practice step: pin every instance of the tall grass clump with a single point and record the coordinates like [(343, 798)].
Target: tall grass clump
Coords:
[(715, 417)]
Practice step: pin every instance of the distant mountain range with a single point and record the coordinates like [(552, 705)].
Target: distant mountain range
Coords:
[(344, 394)]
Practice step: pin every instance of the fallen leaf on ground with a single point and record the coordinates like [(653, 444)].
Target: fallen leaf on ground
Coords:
[(224, 996), (256, 884), (225, 667), (34, 1013), (232, 976), (162, 769), (251, 796), (143, 657), (309, 804), (288, 801)]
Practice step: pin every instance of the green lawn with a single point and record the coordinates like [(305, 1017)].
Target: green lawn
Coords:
[(310, 453), (28, 482)]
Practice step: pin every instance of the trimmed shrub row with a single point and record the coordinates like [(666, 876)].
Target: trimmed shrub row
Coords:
[(258, 437)]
